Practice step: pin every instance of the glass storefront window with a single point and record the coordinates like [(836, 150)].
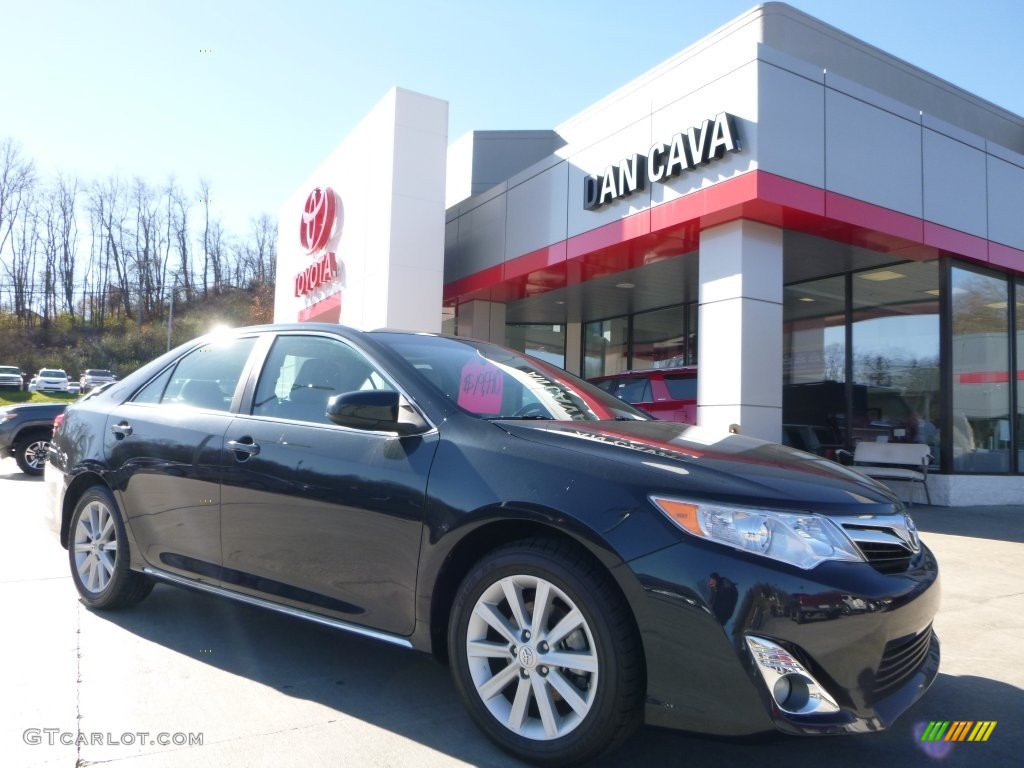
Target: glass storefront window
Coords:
[(981, 390), (545, 342), (814, 365), (606, 347), (1020, 374), (895, 376), (659, 339)]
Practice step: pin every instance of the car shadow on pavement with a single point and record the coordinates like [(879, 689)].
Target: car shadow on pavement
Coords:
[(20, 476), (1001, 523), (412, 695)]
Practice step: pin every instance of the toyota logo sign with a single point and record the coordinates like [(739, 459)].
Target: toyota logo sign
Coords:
[(318, 218)]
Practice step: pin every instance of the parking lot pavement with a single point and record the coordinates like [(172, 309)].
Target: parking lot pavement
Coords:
[(267, 690)]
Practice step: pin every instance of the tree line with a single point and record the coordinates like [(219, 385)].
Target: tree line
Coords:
[(97, 253)]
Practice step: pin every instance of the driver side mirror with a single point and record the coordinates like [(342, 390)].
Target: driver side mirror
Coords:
[(375, 410)]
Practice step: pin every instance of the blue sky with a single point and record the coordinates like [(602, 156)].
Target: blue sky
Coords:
[(125, 86)]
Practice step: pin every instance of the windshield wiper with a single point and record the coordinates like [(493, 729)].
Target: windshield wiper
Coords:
[(532, 417)]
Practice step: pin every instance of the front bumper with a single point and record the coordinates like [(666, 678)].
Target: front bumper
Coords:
[(864, 636)]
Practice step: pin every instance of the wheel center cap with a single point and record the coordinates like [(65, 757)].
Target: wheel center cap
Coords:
[(527, 657)]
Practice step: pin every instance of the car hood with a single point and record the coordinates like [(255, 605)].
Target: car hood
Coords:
[(729, 468)]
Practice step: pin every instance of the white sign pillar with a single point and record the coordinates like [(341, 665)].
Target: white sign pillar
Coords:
[(382, 264)]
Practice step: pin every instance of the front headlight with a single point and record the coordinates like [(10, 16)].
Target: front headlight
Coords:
[(801, 539)]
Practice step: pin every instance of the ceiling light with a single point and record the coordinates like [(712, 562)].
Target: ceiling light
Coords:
[(806, 298), (881, 275), (625, 285), (997, 305), (933, 292)]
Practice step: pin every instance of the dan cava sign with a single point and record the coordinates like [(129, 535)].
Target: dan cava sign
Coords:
[(689, 149)]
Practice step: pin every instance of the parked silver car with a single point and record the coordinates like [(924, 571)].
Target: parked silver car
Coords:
[(95, 377)]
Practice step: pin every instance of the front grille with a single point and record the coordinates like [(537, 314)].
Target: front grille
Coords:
[(900, 660), (882, 546), (886, 558)]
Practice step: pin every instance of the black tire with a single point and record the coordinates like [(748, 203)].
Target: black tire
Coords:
[(30, 452), (591, 708), (96, 530)]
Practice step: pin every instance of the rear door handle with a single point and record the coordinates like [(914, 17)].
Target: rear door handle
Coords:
[(121, 430)]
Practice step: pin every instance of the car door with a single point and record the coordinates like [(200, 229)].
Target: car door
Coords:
[(314, 515), (164, 450)]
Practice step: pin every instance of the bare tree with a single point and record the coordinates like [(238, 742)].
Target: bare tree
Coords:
[(17, 180), (204, 194), (107, 204), (23, 244), (67, 223)]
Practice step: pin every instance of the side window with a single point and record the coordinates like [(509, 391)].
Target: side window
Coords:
[(204, 378), (303, 372), (635, 391), (682, 387)]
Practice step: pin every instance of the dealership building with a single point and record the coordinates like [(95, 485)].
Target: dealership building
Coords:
[(832, 235)]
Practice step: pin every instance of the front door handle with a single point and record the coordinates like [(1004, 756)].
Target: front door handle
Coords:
[(121, 430), (248, 448)]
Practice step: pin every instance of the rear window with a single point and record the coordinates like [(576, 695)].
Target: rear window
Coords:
[(682, 387)]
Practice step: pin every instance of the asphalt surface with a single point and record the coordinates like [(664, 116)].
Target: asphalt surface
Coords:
[(267, 690)]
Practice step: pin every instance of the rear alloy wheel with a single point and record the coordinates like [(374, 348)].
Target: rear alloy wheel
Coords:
[(99, 554), (30, 453), (545, 654)]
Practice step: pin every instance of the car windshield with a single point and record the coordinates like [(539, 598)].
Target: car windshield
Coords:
[(493, 382), (52, 374), (98, 372), (9, 369)]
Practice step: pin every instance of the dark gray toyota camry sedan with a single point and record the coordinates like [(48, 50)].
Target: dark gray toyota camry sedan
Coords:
[(581, 567)]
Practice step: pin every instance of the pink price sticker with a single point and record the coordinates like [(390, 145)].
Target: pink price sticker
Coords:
[(480, 385)]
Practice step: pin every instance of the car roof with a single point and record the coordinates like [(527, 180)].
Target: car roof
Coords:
[(676, 370)]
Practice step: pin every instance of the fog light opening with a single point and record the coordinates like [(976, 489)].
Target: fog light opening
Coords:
[(792, 693), (793, 689)]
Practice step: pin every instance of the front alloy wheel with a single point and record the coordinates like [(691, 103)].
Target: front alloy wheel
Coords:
[(545, 654), (31, 455), (99, 554), (532, 657)]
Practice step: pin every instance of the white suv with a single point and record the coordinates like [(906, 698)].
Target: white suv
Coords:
[(49, 380)]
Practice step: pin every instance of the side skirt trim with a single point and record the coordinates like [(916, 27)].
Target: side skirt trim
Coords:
[(285, 609)]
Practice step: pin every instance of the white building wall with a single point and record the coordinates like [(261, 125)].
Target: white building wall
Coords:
[(389, 174)]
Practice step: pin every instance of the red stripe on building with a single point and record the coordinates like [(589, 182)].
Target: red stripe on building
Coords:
[(671, 228)]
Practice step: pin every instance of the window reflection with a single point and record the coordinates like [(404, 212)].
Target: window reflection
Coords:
[(893, 389), (896, 355), (545, 342), (605, 347), (981, 388), (814, 365)]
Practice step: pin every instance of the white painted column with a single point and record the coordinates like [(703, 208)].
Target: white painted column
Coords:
[(740, 329), (483, 320)]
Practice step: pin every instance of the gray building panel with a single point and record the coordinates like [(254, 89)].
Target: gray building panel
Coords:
[(954, 184), (791, 125), (482, 236), (871, 154), (537, 211), (1005, 196)]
